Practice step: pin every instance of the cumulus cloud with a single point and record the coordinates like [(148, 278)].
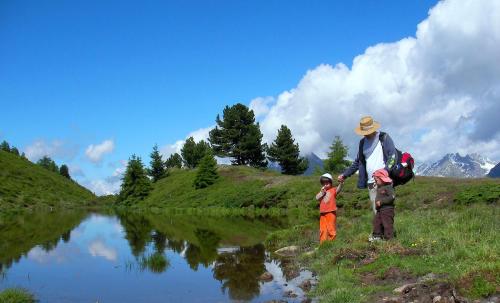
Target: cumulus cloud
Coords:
[(109, 185), (98, 248), (435, 93), (53, 149), (96, 152), (260, 106)]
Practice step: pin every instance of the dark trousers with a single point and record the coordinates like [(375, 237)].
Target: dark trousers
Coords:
[(383, 223)]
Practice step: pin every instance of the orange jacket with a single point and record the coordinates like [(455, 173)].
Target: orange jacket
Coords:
[(327, 201)]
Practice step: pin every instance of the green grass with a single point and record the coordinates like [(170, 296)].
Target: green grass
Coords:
[(16, 295), (24, 185), (458, 242)]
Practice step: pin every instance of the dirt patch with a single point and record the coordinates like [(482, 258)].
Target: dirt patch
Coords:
[(440, 292), (392, 276), (398, 249), (365, 256)]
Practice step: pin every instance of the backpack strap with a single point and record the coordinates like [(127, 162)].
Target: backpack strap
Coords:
[(381, 137), (361, 155)]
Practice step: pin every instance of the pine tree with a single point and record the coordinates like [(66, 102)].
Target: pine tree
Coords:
[(135, 183), (5, 146), (14, 150), (207, 172), (286, 152), (336, 161), (64, 171), (47, 163), (193, 152), (174, 161), (157, 170), (23, 155), (238, 136)]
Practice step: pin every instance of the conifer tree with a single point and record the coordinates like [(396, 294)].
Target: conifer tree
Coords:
[(135, 183), (286, 152), (5, 146), (47, 163), (237, 136), (14, 150), (207, 172), (157, 170), (64, 171), (174, 161), (336, 161), (193, 152)]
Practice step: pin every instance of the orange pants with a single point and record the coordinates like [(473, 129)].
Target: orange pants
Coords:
[(327, 228)]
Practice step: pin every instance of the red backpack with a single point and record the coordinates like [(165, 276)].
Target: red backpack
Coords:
[(400, 174)]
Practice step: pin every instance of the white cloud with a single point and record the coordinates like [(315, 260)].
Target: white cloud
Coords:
[(53, 149), (260, 105), (95, 152), (98, 248), (435, 93), (75, 170), (110, 185)]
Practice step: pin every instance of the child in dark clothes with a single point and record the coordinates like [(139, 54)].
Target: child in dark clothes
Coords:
[(383, 222)]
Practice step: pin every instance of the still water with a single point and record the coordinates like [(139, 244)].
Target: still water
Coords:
[(81, 257)]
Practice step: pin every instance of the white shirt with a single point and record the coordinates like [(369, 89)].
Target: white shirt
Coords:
[(375, 162)]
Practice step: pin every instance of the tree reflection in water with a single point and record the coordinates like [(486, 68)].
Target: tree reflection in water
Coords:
[(239, 271)]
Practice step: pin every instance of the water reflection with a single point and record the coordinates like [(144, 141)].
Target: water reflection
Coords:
[(210, 260)]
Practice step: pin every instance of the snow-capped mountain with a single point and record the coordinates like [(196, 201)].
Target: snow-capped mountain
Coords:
[(457, 166)]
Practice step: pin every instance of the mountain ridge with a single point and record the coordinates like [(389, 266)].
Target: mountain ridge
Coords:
[(456, 166)]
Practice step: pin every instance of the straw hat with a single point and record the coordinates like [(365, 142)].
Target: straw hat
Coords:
[(367, 126)]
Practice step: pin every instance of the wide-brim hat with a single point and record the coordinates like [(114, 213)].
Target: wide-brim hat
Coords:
[(367, 126)]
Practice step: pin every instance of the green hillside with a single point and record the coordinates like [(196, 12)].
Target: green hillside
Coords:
[(24, 185), (244, 187)]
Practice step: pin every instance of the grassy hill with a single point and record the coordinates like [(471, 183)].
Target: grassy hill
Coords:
[(244, 187), (24, 185)]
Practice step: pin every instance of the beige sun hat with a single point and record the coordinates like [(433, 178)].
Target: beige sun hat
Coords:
[(367, 126)]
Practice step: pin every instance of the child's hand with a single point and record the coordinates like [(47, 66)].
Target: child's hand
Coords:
[(378, 203)]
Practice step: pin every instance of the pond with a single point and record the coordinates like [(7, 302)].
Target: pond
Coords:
[(82, 257)]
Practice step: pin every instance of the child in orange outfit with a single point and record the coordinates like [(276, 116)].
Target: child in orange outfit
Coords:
[(327, 208)]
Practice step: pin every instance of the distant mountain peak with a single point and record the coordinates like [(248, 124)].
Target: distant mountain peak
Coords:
[(455, 165)]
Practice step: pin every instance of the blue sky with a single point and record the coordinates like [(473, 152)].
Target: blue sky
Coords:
[(146, 72)]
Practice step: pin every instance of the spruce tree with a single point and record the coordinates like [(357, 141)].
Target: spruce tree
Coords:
[(157, 170), (207, 172), (237, 136), (336, 161), (193, 152), (286, 152), (64, 171), (5, 146), (47, 163), (135, 183), (174, 161), (14, 150)]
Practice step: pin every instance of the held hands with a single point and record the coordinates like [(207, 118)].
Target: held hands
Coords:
[(378, 203), (341, 178)]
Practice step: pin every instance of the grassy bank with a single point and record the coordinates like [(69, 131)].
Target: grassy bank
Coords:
[(16, 295), (24, 186), (445, 227)]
